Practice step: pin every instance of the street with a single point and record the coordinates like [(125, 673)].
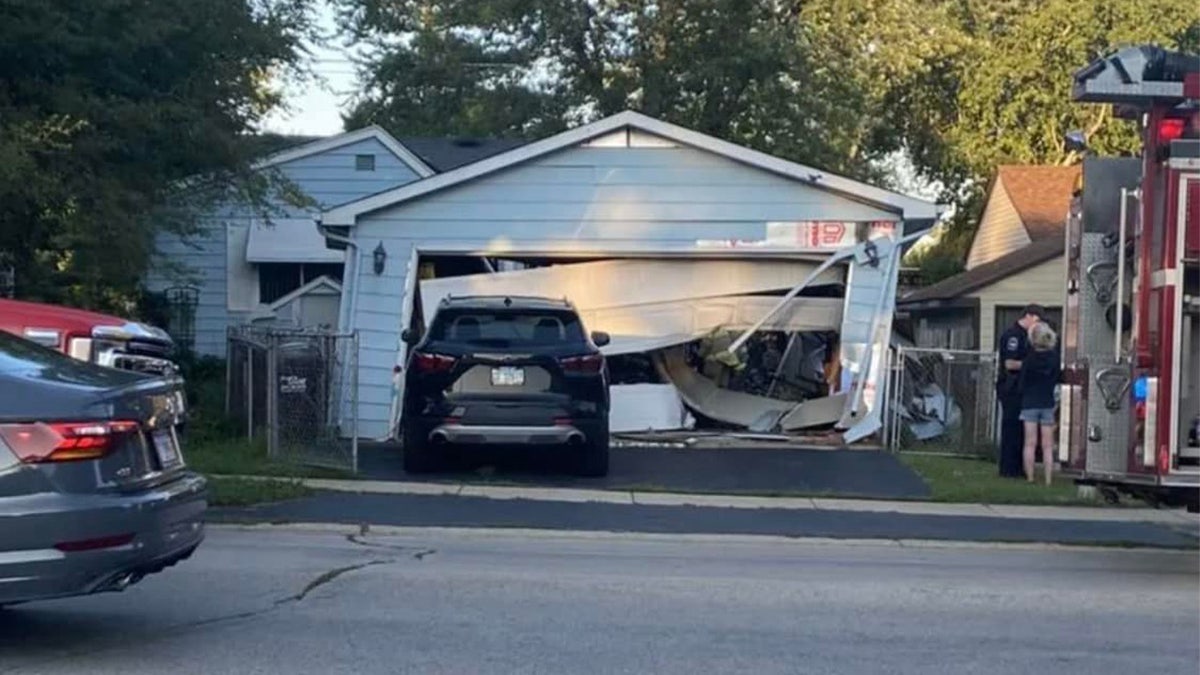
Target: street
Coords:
[(324, 600)]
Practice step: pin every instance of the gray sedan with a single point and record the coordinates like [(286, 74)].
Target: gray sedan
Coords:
[(94, 492)]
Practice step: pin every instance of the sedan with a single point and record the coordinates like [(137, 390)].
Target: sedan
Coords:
[(94, 492)]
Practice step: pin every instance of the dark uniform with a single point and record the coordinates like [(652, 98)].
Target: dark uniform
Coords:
[(1014, 343)]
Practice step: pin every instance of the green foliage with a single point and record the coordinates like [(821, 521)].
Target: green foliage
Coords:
[(106, 107), (234, 492), (938, 265)]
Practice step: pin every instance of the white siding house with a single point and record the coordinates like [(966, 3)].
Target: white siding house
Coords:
[(240, 263), (626, 186)]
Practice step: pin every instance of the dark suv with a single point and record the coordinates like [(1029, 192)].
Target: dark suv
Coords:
[(506, 371)]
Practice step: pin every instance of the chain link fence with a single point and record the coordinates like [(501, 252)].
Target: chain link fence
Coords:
[(942, 401), (299, 390)]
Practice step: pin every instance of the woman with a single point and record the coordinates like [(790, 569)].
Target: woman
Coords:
[(1039, 377)]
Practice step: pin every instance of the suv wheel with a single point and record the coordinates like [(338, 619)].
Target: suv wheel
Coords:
[(593, 458), (418, 458)]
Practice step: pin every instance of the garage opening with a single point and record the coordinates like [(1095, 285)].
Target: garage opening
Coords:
[(672, 322)]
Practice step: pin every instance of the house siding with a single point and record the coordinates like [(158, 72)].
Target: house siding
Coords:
[(1044, 284), (1000, 230), (618, 198), (329, 178)]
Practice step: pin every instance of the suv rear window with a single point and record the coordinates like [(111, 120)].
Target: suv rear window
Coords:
[(504, 328)]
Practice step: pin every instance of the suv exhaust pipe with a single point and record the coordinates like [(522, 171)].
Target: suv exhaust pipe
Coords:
[(575, 438), (438, 438)]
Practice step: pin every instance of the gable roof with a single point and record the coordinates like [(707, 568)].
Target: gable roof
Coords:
[(989, 273), (323, 282), (909, 208), (316, 147), (1041, 196), (447, 154)]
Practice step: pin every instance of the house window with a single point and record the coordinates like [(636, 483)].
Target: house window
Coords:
[(364, 162), (276, 280)]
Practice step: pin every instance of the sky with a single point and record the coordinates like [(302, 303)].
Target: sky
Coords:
[(314, 108)]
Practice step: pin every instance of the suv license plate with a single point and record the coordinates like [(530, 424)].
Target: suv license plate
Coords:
[(167, 448), (507, 376)]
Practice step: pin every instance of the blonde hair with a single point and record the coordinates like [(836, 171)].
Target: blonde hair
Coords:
[(1042, 337)]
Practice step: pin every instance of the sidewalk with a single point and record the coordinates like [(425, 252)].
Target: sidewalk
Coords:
[(578, 496)]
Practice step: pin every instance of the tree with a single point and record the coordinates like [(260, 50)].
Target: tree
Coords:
[(742, 70), (106, 108)]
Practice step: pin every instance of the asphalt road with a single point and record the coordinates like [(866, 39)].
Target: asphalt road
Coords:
[(272, 601)]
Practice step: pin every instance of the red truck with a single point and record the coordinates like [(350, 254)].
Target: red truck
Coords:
[(1131, 337), (90, 336)]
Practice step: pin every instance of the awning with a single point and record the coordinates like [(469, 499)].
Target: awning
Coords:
[(289, 240)]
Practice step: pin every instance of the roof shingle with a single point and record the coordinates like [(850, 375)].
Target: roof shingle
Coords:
[(1041, 195)]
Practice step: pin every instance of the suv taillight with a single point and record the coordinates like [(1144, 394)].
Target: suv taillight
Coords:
[(588, 363), (433, 363), (38, 442)]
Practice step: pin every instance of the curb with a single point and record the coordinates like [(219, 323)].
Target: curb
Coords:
[(643, 498), (599, 535)]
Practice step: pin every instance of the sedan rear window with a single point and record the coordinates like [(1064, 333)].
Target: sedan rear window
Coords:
[(506, 329)]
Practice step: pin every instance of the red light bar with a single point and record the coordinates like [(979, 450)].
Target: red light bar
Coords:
[(1170, 129)]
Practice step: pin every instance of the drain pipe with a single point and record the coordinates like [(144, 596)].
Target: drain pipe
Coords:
[(352, 302), (351, 249)]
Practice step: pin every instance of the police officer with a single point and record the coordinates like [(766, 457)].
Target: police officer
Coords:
[(1014, 342)]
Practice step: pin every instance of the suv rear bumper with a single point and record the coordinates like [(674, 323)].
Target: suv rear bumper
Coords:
[(460, 434), (167, 523)]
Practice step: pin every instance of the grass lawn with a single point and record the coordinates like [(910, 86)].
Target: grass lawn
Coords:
[(227, 491), (242, 457), (222, 460), (956, 479)]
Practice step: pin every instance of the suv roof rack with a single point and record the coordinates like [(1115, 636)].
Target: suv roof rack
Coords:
[(508, 300)]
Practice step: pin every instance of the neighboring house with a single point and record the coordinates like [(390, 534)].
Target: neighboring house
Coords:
[(1015, 258), (244, 267), (627, 186)]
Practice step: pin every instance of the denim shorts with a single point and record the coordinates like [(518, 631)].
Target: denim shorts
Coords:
[(1043, 416)]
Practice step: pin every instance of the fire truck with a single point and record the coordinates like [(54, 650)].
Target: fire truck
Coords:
[(1130, 399)]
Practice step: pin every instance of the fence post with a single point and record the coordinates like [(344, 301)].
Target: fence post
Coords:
[(272, 396), (354, 402)]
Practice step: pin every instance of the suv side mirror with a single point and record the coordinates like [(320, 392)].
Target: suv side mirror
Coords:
[(600, 338), (410, 336)]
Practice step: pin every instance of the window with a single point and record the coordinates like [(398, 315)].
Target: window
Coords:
[(364, 162), (276, 280), (507, 328)]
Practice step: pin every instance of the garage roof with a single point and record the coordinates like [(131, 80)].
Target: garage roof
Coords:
[(986, 274), (908, 208)]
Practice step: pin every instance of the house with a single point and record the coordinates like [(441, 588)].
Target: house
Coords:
[(1016, 258), (271, 264), (625, 190)]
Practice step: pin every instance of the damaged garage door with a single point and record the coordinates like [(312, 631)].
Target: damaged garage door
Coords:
[(661, 309)]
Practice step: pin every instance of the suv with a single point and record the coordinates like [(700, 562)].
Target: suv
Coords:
[(506, 370)]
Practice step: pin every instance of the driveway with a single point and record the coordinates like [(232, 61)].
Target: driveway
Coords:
[(840, 473)]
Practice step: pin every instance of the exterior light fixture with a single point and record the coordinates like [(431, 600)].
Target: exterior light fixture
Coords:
[(380, 258)]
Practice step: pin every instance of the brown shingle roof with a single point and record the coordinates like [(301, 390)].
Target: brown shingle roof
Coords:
[(1041, 195), (988, 273)]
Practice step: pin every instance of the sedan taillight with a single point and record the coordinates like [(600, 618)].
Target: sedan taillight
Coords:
[(433, 363), (39, 442), (586, 364)]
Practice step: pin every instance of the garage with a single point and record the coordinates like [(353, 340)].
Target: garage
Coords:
[(709, 264)]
